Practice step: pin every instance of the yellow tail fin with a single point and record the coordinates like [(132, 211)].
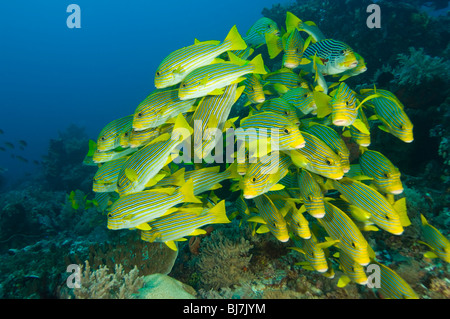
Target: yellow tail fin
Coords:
[(188, 192), (292, 21), (219, 213), (274, 46), (237, 43), (258, 63), (182, 127)]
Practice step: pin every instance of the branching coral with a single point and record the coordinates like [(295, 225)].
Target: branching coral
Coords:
[(418, 68), (101, 284), (223, 262)]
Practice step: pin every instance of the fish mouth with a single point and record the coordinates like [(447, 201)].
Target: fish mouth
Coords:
[(365, 144), (322, 270), (260, 100), (340, 122), (249, 196), (338, 178), (346, 170), (398, 233), (408, 141), (397, 191), (290, 65), (300, 145), (284, 239), (364, 282)]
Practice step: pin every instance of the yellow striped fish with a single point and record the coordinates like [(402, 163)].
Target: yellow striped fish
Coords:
[(313, 251), (281, 81), (368, 199), (103, 157), (254, 89), (136, 209), (177, 65), (440, 246), (265, 174), (297, 223), (311, 194), (144, 165), (317, 158), (344, 105), (291, 43), (212, 79), (105, 179), (109, 137), (341, 227), (141, 138), (386, 176), (302, 99), (281, 106), (392, 286), (256, 34), (353, 271), (158, 107), (271, 215), (309, 27), (390, 111), (184, 222), (361, 136), (210, 117), (272, 128), (331, 138)]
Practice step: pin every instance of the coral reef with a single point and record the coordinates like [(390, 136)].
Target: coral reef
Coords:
[(102, 284)]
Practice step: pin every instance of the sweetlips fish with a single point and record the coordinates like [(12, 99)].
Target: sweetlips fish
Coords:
[(368, 199), (271, 217), (317, 157), (280, 106), (311, 194), (264, 175), (390, 111), (360, 68), (291, 44), (213, 78), (253, 89), (360, 134), (185, 221), (158, 107), (135, 210), (210, 117), (440, 246), (106, 156), (255, 36), (297, 223), (177, 65), (353, 271), (309, 27), (302, 99), (109, 137), (313, 251), (392, 286), (271, 128), (344, 105), (141, 169), (331, 56), (105, 179), (339, 226), (282, 81), (386, 176), (331, 138)]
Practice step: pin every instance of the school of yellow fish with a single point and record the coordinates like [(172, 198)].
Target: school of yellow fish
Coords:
[(290, 160)]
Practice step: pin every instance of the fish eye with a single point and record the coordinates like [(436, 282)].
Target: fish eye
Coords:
[(386, 175), (253, 179), (346, 103), (183, 85), (126, 134), (139, 114), (286, 131), (158, 74), (329, 162), (305, 96), (103, 138), (269, 26), (286, 112), (343, 52), (109, 215)]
